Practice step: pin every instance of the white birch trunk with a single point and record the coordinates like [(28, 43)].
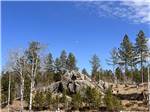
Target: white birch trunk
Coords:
[(30, 103), (31, 88), (33, 74), (9, 93), (22, 93)]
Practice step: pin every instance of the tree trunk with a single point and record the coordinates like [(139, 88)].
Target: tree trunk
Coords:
[(125, 73), (132, 74), (9, 93), (142, 67), (33, 74), (31, 94), (115, 78), (22, 93)]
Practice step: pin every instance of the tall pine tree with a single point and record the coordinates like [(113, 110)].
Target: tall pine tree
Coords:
[(125, 52), (71, 62), (85, 72), (57, 64), (95, 62), (141, 50), (63, 59), (49, 63)]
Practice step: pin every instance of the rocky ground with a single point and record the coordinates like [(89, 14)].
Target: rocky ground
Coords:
[(133, 97)]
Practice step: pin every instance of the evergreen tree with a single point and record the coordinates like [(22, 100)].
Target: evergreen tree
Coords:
[(141, 50), (85, 72), (49, 63), (92, 97), (49, 70), (111, 102), (136, 76), (119, 74), (133, 61), (63, 59), (95, 62), (71, 62), (125, 52), (57, 64)]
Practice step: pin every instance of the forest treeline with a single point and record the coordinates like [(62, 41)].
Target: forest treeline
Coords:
[(29, 69)]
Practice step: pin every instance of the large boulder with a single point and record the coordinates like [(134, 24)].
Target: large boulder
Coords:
[(103, 85), (74, 81)]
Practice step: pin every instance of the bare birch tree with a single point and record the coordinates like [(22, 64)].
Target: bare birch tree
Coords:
[(33, 60), (19, 66)]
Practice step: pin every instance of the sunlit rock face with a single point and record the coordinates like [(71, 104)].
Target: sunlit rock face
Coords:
[(74, 81)]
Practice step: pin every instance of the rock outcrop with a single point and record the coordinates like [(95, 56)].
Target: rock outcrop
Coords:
[(74, 81)]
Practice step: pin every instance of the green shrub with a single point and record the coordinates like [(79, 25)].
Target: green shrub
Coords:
[(92, 97), (77, 101), (42, 100), (48, 99), (111, 102), (63, 99), (57, 77), (39, 101)]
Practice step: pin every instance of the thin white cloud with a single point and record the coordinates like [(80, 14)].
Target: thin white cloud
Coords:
[(137, 11)]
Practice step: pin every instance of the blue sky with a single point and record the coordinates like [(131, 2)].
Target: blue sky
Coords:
[(82, 28)]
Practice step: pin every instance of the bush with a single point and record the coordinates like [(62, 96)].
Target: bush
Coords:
[(5, 85), (92, 97), (57, 77), (39, 101), (42, 100), (77, 101), (49, 99), (63, 99), (111, 102)]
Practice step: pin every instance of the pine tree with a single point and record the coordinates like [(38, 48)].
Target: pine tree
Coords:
[(95, 62), (92, 97), (125, 52), (63, 59), (48, 69), (71, 62), (141, 49), (49, 63), (85, 72), (57, 64), (111, 102), (118, 73)]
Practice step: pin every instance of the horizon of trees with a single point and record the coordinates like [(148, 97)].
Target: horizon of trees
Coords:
[(29, 69)]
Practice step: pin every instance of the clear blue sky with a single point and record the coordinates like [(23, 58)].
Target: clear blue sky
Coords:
[(76, 27)]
